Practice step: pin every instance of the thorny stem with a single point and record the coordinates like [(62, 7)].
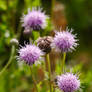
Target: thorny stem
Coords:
[(63, 62), (49, 69), (10, 59), (34, 81)]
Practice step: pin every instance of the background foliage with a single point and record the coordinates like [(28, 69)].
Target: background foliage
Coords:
[(74, 13)]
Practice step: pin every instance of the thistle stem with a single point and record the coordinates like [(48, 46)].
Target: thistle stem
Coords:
[(49, 69), (10, 59), (63, 62), (53, 3), (34, 81)]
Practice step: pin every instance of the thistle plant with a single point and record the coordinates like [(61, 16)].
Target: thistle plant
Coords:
[(68, 82), (35, 19), (29, 54), (44, 43), (14, 43), (63, 42)]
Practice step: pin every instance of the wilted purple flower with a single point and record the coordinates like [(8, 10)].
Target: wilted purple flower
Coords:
[(65, 41), (35, 19), (29, 54), (68, 82), (44, 43)]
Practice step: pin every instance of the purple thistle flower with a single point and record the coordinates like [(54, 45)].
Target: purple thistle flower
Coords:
[(35, 19), (65, 41), (30, 54), (68, 82)]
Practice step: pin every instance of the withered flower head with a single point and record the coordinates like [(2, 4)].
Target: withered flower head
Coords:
[(44, 43)]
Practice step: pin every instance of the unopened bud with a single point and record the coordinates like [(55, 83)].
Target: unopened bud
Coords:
[(27, 32), (14, 41)]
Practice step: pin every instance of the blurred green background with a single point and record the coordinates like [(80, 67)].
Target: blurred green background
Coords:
[(76, 14)]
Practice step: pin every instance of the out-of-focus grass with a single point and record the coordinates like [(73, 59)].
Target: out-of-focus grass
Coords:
[(18, 78)]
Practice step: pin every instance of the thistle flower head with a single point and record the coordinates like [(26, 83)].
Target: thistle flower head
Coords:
[(65, 41), (68, 82), (44, 43), (30, 54), (35, 19)]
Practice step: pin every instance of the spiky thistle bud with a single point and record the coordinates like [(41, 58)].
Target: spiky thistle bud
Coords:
[(27, 33), (44, 43)]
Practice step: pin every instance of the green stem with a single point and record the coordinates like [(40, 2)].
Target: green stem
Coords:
[(63, 62), (34, 81), (53, 4), (49, 69), (53, 89), (10, 59)]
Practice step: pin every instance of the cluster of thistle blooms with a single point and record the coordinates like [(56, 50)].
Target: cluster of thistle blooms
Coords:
[(63, 41)]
